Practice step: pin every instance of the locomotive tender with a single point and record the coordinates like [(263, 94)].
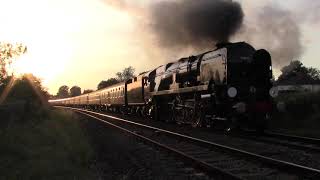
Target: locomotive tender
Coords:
[(230, 84)]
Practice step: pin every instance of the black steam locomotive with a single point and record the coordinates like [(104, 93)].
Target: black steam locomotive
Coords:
[(229, 85)]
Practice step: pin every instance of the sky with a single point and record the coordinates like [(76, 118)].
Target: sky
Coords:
[(81, 42)]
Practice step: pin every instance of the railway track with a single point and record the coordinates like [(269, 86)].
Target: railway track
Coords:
[(294, 137), (212, 158), (296, 142)]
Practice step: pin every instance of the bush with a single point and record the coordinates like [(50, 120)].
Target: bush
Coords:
[(53, 147), (301, 113)]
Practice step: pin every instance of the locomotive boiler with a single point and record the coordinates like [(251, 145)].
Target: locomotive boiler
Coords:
[(229, 85)]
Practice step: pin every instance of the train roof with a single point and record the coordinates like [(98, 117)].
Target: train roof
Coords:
[(112, 86), (68, 98)]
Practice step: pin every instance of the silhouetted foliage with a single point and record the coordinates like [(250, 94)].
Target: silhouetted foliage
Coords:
[(107, 83), (297, 73), (126, 74), (86, 91), (8, 52), (75, 91), (28, 88), (4, 83), (63, 92)]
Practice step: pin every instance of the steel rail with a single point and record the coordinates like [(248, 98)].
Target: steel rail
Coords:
[(209, 169), (287, 166), (294, 137), (306, 146)]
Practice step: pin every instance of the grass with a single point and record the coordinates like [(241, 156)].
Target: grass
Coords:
[(48, 145)]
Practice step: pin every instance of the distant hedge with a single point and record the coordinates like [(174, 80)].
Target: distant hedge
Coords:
[(300, 113)]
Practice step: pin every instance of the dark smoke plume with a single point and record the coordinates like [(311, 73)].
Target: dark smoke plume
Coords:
[(195, 23), (184, 27), (277, 31)]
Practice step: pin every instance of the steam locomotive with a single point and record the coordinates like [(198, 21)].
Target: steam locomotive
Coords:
[(229, 85)]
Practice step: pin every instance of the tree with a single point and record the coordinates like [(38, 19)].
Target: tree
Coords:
[(126, 74), (75, 91), (107, 83), (296, 73), (86, 91), (8, 52), (63, 92), (314, 73), (27, 88)]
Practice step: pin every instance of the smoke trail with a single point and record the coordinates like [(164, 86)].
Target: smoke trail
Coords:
[(182, 27), (276, 30), (308, 12), (200, 23)]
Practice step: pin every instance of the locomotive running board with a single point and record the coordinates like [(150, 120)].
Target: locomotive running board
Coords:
[(210, 118), (181, 90)]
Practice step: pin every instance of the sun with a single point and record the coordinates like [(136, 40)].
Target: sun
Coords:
[(44, 60), (20, 66)]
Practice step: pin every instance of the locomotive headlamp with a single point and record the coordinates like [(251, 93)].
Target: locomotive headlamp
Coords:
[(273, 92), (253, 89), (232, 92)]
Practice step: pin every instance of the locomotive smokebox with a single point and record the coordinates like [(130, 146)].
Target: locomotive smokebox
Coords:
[(262, 58), (262, 69)]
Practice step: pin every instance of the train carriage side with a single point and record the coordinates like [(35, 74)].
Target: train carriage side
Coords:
[(138, 93), (111, 98), (117, 97), (83, 100), (93, 100)]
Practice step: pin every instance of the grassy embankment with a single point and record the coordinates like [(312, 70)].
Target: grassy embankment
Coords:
[(301, 114), (45, 144)]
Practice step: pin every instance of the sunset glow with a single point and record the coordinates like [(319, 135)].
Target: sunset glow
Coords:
[(69, 41), (58, 34), (42, 61)]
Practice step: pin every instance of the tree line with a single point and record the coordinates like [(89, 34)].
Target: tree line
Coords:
[(297, 74), (127, 73)]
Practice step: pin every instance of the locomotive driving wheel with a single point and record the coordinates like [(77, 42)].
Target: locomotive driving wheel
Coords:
[(178, 114), (188, 111), (197, 113)]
